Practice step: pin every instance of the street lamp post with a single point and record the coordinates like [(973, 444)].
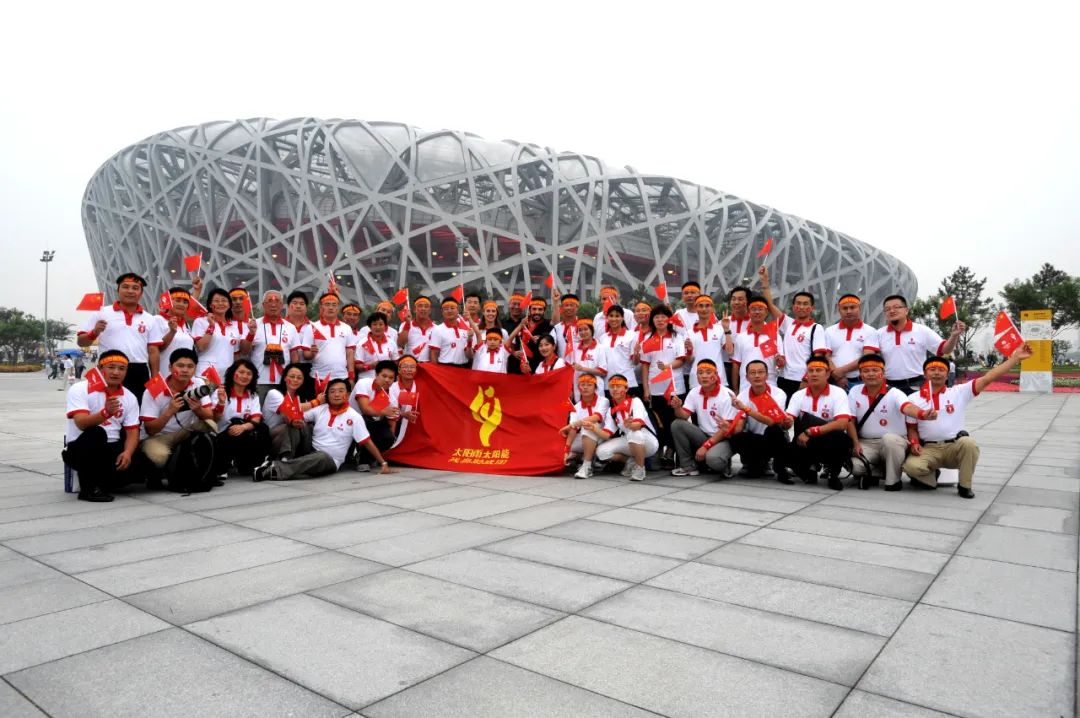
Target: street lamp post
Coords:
[(47, 257)]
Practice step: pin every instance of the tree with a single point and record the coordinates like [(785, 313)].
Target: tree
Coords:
[(22, 335), (1060, 351), (972, 308), (1049, 288)]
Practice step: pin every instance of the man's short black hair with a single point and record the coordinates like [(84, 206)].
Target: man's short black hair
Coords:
[(752, 362), (806, 294), (297, 295), (744, 290), (132, 276), (377, 316), (478, 297), (111, 353), (889, 298), (183, 353), (386, 364)]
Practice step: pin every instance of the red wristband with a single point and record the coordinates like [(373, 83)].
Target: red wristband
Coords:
[(815, 431), (708, 444), (92, 334), (921, 414), (913, 442)]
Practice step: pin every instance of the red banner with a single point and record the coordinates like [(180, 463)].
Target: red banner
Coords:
[(486, 423)]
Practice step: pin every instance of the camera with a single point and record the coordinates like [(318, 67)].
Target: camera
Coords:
[(274, 354), (194, 392)]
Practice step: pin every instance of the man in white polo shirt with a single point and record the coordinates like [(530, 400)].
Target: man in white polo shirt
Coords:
[(125, 327), (272, 342), (821, 416), (848, 340), (102, 428), (803, 337), (709, 403), (878, 430), (450, 341), (939, 441), (905, 345), (330, 344)]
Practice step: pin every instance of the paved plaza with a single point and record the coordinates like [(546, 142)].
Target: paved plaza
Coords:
[(425, 593)]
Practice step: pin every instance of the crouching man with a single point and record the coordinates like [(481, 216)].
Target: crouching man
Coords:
[(938, 440), (633, 438), (821, 416), (709, 403), (102, 428), (170, 418), (878, 432)]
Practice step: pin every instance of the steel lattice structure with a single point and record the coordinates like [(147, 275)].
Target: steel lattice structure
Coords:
[(281, 204)]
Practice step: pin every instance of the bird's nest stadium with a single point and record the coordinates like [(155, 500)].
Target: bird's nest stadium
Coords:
[(282, 204)]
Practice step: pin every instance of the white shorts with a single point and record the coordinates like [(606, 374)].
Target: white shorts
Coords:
[(577, 447)]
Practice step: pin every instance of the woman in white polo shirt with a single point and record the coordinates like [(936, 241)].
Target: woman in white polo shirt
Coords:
[(216, 337), (242, 437)]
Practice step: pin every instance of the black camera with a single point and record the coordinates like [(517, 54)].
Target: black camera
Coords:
[(274, 354), (194, 392)]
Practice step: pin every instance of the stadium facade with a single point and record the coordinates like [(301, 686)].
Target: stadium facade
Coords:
[(283, 204)]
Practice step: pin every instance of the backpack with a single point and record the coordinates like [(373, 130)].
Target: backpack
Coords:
[(190, 468)]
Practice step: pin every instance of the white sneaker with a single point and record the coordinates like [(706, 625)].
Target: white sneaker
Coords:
[(627, 469), (638, 473), (363, 467), (585, 472), (680, 471)]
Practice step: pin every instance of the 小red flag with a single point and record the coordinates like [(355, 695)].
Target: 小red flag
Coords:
[(157, 386), (247, 309), (195, 309), (211, 374), (652, 344), (550, 281), (767, 405), (406, 400), (193, 263), (661, 291), (332, 286), (670, 391), (91, 302), (458, 294), (164, 303), (402, 313), (768, 348), (321, 382), (1008, 342), (948, 308), (925, 391), (290, 408), (317, 335), (402, 297), (608, 304), (380, 401), (526, 300), (1002, 323), (766, 249), (677, 320), (664, 375), (94, 380)]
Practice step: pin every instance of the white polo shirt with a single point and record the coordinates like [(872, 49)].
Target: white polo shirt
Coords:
[(615, 420), (333, 434), (708, 344), (395, 392), (565, 336), (335, 339), (712, 408), (224, 343), (905, 351), (591, 358), (281, 334), (798, 337), (365, 331), (778, 395), (847, 344), (244, 407), (673, 347), (491, 361), (600, 323), (599, 407), (951, 404), (79, 401), (418, 343), (371, 352), (887, 418), (451, 341), (831, 404), (544, 368), (747, 348), (129, 333), (152, 408), (617, 354), (182, 339)]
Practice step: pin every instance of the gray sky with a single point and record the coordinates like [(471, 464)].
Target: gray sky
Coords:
[(945, 135)]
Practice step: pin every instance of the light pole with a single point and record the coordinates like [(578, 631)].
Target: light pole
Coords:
[(47, 257)]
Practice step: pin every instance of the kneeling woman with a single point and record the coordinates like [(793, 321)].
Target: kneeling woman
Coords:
[(335, 427), (583, 433), (283, 414), (242, 437), (633, 436)]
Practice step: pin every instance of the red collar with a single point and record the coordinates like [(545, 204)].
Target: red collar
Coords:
[(336, 413), (884, 390), (267, 320), (127, 317), (797, 324), (824, 392), (853, 326), (705, 397), (906, 328)]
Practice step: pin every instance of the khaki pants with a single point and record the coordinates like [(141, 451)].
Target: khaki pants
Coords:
[(961, 454), (158, 448), (886, 452)]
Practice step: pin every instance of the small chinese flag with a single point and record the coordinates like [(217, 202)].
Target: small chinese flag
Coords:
[(670, 391), (94, 380), (247, 309), (924, 390), (948, 308), (664, 375), (526, 300), (767, 405), (402, 313), (157, 386), (332, 286), (608, 304), (91, 302), (380, 401), (550, 281), (317, 335), (768, 348), (290, 408), (1007, 337), (195, 309), (677, 320), (321, 382), (406, 399), (164, 303), (458, 295), (766, 249), (211, 375), (661, 291), (402, 297), (193, 263), (652, 344)]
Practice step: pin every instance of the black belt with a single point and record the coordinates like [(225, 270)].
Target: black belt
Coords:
[(945, 441)]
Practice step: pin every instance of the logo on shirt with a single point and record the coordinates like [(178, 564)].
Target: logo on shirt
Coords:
[(883, 422), (949, 408), (487, 411), (349, 422), (142, 328), (825, 414)]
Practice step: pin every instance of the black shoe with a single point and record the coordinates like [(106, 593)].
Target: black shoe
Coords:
[(95, 495), (965, 492), (808, 476), (262, 471), (865, 482), (783, 476), (835, 483), (916, 484), (898, 486)]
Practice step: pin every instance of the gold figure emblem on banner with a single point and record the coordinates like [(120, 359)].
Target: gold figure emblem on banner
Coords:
[(487, 411)]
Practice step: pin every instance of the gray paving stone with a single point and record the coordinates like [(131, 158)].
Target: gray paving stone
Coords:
[(833, 654), (6, 553), (56, 635), (170, 673), (141, 576), (942, 543), (13, 705), (631, 538), (98, 535), (909, 503), (1007, 590), (908, 559), (212, 596), (127, 512), (880, 580), (727, 498), (663, 478), (428, 543), (471, 509), (36, 598), (625, 494), (1051, 483), (349, 534), (112, 554), (763, 489), (292, 522), (34, 499), (951, 527), (520, 483), (718, 512), (241, 496), (1040, 518), (70, 505), (558, 588), (477, 620), (585, 557), (664, 676), (404, 488), (1031, 548), (1039, 497), (687, 525), (440, 494), (485, 687), (539, 517), (861, 704), (1009, 669), (21, 570), (826, 604), (262, 509), (348, 657), (570, 488)]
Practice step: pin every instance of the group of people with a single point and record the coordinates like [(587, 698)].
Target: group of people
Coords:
[(281, 396)]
